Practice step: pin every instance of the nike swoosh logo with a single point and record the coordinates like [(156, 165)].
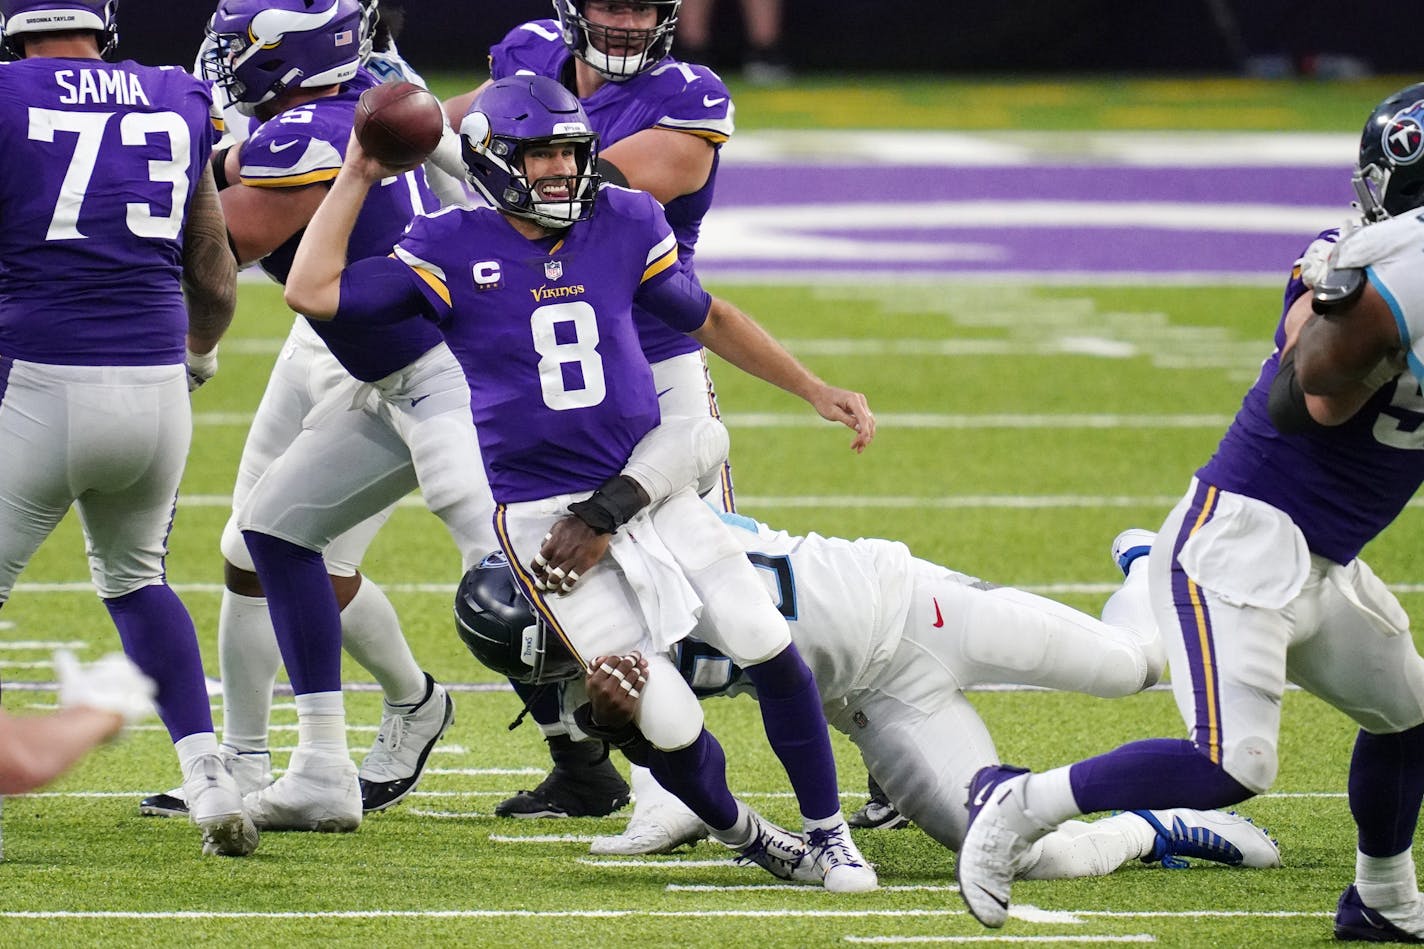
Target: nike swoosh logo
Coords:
[(417, 400), (710, 102), (284, 146), (1002, 902), (665, 392), (982, 797), (939, 620)]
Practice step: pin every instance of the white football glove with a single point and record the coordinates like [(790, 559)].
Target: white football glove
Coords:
[(1315, 263), (201, 367), (113, 684)]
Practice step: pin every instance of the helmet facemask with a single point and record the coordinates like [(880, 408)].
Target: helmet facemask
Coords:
[(614, 52), (495, 165)]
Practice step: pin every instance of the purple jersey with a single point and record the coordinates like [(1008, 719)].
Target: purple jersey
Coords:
[(559, 386), (672, 95), (304, 146), (1341, 485), (101, 163)]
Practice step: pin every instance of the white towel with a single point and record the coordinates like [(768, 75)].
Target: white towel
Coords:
[(669, 605)]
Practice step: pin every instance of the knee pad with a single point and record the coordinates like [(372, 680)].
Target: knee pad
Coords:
[(234, 548), (1251, 761), (668, 715)]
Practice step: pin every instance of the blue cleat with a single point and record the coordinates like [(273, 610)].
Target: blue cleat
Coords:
[(1218, 836), (1356, 922)]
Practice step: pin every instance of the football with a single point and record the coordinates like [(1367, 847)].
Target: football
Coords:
[(399, 123)]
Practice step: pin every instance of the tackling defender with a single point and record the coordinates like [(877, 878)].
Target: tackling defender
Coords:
[(106, 184), (1257, 578), (893, 641)]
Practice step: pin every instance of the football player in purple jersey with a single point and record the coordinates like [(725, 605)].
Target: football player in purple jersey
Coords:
[(353, 419), (107, 184), (661, 125), (1256, 578), (535, 298)]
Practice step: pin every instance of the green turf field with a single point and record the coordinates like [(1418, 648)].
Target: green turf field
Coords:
[(1018, 464)]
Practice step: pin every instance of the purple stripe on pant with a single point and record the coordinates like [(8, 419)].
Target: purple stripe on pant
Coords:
[(1194, 617)]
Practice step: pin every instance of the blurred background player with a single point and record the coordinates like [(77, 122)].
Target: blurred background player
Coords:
[(1256, 581), (586, 396), (386, 394), (108, 185), (763, 63), (661, 126)]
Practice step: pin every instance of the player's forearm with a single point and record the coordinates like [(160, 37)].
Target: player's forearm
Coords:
[(209, 269), (741, 341), (313, 285), (38, 750)]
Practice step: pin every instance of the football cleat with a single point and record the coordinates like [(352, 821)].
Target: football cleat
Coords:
[(1131, 544), (838, 861), (661, 828), (393, 767), (777, 851), (217, 809), (1218, 836), (319, 792), (996, 843), (584, 783), (1356, 922), (878, 813), (252, 770)]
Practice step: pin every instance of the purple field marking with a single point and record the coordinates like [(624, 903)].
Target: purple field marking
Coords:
[(1091, 247)]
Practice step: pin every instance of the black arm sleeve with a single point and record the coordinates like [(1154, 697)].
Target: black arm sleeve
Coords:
[(627, 739), (1286, 402), (220, 167), (610, 172)]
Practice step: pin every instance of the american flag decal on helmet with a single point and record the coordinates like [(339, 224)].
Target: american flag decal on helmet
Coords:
[(345, 37)]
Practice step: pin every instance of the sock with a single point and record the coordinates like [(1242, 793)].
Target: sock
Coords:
[(698, 775), (796, 729), (739, 834), (158, 635), (1130, 608), (1386, 882), (371, 633), (1386, 786), (541, 703), (304, 611), (321, 722), (249, 660), (1049, 797), (193, 747), (1156, 773)]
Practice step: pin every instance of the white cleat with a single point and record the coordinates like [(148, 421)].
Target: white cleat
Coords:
[(319, 792), (660, 828), (838, 861), (777, 851), (216, 806), (1131, 544), (997, 844), (252, 770), (1219, 836), (393, 767)]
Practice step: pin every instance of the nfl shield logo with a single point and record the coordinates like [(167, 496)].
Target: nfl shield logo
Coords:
[(553, 269)]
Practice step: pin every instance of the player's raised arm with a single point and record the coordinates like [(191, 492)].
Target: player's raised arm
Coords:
[(314, 284), (740, 340)]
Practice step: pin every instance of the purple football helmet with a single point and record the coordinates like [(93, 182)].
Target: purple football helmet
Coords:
[(19, 17), (510, 116), (1390, 177), (258, 49), (625, 52)]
